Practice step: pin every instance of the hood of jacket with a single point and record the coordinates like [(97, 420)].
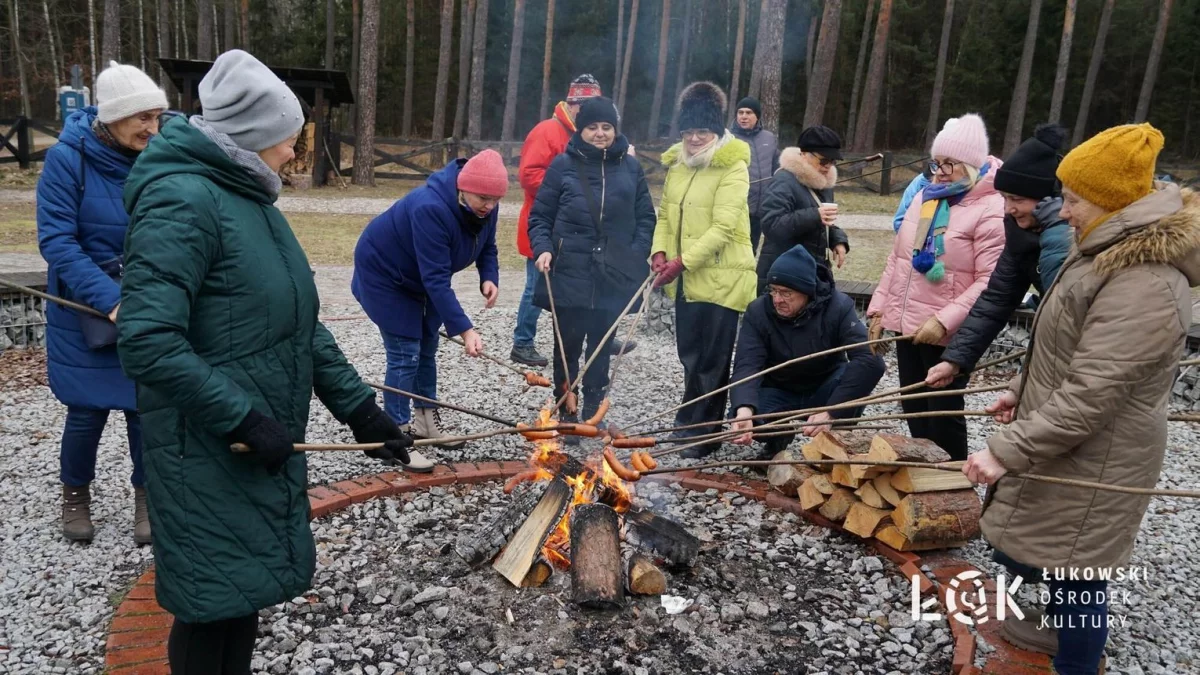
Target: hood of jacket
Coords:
[(562, 113), (1161, 228), (181, 149), (792, 160), (577, 147), (738, 131), (77, 134), (732, 151), (1046, 213)]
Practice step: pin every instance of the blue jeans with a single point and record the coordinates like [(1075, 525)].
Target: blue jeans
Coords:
[(1078, 609), (81, 441), (411, 366), (778, 400), (527, 312)]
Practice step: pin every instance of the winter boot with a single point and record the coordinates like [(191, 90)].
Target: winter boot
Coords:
[(427, 423), (616, 347), (1029, 634), (77, 513), (528, 356), (141, 518)]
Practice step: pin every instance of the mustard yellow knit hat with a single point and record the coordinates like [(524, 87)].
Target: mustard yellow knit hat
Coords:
[(1114, 168)]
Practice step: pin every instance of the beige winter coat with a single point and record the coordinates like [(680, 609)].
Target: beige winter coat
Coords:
[(1093, 393)]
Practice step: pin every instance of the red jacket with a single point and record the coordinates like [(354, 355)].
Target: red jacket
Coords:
[(547, 141)]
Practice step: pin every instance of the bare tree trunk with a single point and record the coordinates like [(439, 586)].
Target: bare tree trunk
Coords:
[(681, 65), (443, 72), (164, 41), (55, 66), (230, 20), (664, 41), (547, 54), (818, 92), (181, 33), (364, 146), (760, 41), (630, 36), (244, 19), (478, 61), (773, 65), (92, 41), (15, 34), (204, 30), (616, 83), (868, 115), (1089, 83), (141, 22), (110, 48), (738, 48), (1064, 61), (810, 43), (514, 71), (216, 32), (466, 29), (330, 12), (939, 76), (356, 42), (859, 66), (1156, 50), (1020, 97), (409, 56)]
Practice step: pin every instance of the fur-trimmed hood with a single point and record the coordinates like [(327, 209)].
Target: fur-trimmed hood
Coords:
[(792, 160), (1161, 228), (733, 151)]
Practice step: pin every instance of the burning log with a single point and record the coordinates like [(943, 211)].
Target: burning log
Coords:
[(939, 517), (662, 538), (518, 556), (643, 577), (538, 574), (478, 549), (596, 579), (787, 478)]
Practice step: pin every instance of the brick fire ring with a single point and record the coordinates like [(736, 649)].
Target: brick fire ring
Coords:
[(137, 635)]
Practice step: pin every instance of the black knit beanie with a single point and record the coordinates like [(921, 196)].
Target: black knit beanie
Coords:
[(597, 109), (751, 103), (1029, 172), (796, 270), (702, 106)]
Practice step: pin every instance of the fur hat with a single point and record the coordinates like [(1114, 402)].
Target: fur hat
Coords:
[(702, 106), (1029, 172)]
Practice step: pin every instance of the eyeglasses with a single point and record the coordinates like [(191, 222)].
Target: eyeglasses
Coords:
[(696, 134), (946, 167), (825, 162), (781, 293)]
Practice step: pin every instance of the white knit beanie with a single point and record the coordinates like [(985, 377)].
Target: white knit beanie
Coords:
[(963, 139), (124, 91)]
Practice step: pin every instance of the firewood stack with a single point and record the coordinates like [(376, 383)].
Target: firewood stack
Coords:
[(302, 164), (909, 509)]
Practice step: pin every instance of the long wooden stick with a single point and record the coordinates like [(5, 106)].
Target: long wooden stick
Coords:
[(637, 320), (55, 299), (785, 364), (489, 357), (347, 447), (442, 404), (944, 466), (562, 347)]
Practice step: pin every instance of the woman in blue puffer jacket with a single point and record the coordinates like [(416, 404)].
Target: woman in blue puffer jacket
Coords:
[(81, 224), (591, 228)]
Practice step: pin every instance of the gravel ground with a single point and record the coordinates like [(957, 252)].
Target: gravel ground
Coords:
[(56, 598)]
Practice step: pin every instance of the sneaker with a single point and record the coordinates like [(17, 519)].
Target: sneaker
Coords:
[(618, 347), (528, 356), (1028, 633)]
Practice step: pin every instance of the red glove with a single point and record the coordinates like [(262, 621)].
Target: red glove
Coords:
[(670, 272), (657, 262)]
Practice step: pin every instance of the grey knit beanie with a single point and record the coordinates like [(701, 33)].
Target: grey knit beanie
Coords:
[(242, 98)]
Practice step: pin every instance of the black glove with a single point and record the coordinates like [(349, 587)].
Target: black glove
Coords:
[(371, 425), (270, 440)]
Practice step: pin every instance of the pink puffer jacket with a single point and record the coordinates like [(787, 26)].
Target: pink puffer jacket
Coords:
[(973, 242)]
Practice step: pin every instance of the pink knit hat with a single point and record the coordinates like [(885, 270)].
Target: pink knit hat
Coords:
[(484, 174), (963, 139)]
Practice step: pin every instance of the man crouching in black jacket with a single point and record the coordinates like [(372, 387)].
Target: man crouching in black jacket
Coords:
[(801, 313)]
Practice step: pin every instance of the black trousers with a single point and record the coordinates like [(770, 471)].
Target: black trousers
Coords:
[(216, 648), (704, 337), (576, 325), (950, 433), (755, 232)]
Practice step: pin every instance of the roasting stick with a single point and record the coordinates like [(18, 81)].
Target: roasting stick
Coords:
[(944, 466), (637, 320), (785, 364), (52, 298), (607, 336), (562, 348), (527, 374), (347, 447), (442, 404), (1190, 362)]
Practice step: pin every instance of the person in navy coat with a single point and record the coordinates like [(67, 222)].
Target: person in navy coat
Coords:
[(403, 264), (81, 225)]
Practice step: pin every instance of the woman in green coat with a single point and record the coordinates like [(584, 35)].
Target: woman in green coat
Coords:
[(702, 251), (218, 329)]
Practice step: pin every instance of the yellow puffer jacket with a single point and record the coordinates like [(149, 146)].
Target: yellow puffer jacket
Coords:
[(705, 218)]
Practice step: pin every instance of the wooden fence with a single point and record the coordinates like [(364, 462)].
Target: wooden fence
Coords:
[(18, 140)]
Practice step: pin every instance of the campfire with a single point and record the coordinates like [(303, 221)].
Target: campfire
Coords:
[(578, 516)]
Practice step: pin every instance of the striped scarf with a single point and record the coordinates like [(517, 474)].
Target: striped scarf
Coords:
[(929, 244)]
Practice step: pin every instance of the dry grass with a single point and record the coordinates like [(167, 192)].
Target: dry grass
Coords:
[(869, 250), (18, 228)]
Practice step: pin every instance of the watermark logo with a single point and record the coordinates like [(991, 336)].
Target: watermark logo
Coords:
[(967, 599)]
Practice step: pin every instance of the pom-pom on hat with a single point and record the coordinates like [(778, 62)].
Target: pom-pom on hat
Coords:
[(124, 91), (484, 174), (963, 139), (1114, 168), (702, 106)]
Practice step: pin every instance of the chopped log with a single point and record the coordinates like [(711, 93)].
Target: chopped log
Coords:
[(538, 574), (643, 577), (843, 474), (518, 556), (596, 579), (890, 535), (787, 478), (929, 480), (838, 504), (477, 549), (870, 496), (835, 445), (813, 453), (883, 485), (939, 517), (863, 520), (810, 496), (662, 538), (823, 484), (895, 448)]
